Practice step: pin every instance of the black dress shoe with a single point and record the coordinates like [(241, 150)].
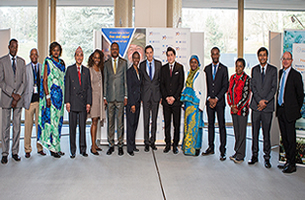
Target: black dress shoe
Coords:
[(253, 160), (110, 150), (146, 149), (283, 166), (94, 153), (130, 153), (222, 157), (290, 169), (16, 157), (153, 146), (84, 154), (136, 150), (4, 160), (27, 155), (41, 153), (121, 152), (166, 149), (208, 152), (72, 156), (55, 155), (175, 150), (267, 164)]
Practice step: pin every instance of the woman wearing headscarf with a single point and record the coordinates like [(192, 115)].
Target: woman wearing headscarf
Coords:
[(193, 97)]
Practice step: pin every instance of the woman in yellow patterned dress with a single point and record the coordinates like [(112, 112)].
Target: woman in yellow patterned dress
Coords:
[(193, 97)]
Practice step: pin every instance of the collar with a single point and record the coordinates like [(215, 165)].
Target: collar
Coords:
[(173, 64), (152, 61), (287, 70), (116, 59), (12, 56), (216, 64), (265, 68)]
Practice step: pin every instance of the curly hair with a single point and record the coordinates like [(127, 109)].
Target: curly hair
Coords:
[(91, 61), (52, 46)]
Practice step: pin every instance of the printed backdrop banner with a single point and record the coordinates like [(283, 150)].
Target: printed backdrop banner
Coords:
[(135, 39), (294, 42)]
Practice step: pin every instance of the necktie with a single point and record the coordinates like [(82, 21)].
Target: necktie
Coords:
[(79, 76), (171, 70), (114, 66), (214, 72), (281, 95), (263, 74), (14, 65), (150, 71)]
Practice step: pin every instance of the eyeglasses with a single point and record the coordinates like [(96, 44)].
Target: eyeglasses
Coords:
[(286, 59)]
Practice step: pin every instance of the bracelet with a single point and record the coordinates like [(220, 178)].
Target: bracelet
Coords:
[(48, 96)]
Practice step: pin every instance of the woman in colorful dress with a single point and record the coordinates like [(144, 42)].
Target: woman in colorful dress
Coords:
[(238, 99), (194, 98), (97, 112), (51, 100)]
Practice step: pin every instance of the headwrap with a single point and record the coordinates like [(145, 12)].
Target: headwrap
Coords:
[(78, 50), (196, 57)]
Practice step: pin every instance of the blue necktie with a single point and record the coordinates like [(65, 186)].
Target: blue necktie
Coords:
[(214, 73), (150, 71), (281, 95)]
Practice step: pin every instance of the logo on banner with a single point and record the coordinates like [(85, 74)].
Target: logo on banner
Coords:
[(120, 36)]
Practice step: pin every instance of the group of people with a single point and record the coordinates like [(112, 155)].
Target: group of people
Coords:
[(110, 86)]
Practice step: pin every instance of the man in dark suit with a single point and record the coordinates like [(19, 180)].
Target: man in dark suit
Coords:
[(78, 99), (217, 84), (263, 86), (12, 84), (31, 102), (115, 96), (134, 78), (290, 99), (150, 95), (172, 80)]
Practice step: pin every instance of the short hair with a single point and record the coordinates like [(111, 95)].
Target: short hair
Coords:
[(52, 47), (114, 44), (170, 49), (134, 53), (149, 46), (34, 49), (215, 48), (262, 49), (12, 40), (241, 60)]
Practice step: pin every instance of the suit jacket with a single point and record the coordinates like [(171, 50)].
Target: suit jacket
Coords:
[(293, 95), (78, 95), (29, 88), (172, 86), (150, 89), (219, 86), (10, 83), (263, 90), (115, 85), (134, 86)]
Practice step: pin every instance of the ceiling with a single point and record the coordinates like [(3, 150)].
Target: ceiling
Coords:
[(297, 5)]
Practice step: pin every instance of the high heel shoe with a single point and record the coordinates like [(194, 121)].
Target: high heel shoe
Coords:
[(61, 153), (98, 149), (94, 153), (55, 155)]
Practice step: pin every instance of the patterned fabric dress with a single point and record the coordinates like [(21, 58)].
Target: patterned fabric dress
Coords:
[(193, 122), (50, 119)]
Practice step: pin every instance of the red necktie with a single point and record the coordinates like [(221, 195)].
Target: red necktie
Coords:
[(171, 70), (79, 76)]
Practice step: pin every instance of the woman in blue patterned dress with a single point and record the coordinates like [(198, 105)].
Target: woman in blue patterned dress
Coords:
[(51, 101), (193, 97)]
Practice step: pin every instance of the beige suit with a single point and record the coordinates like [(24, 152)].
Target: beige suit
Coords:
[(11, 83)]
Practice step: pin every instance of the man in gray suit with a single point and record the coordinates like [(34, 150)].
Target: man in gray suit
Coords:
[(31, 102), (150, 95), (12, 83), (263, 86), (115, 96)]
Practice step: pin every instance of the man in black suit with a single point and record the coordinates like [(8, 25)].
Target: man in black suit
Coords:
[(263, 86), (172, 80), (217, 84), (78, 99), (134, 102), (289, 103), (150, 95)]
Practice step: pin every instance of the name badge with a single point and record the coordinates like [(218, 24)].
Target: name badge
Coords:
[(35, 89)]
